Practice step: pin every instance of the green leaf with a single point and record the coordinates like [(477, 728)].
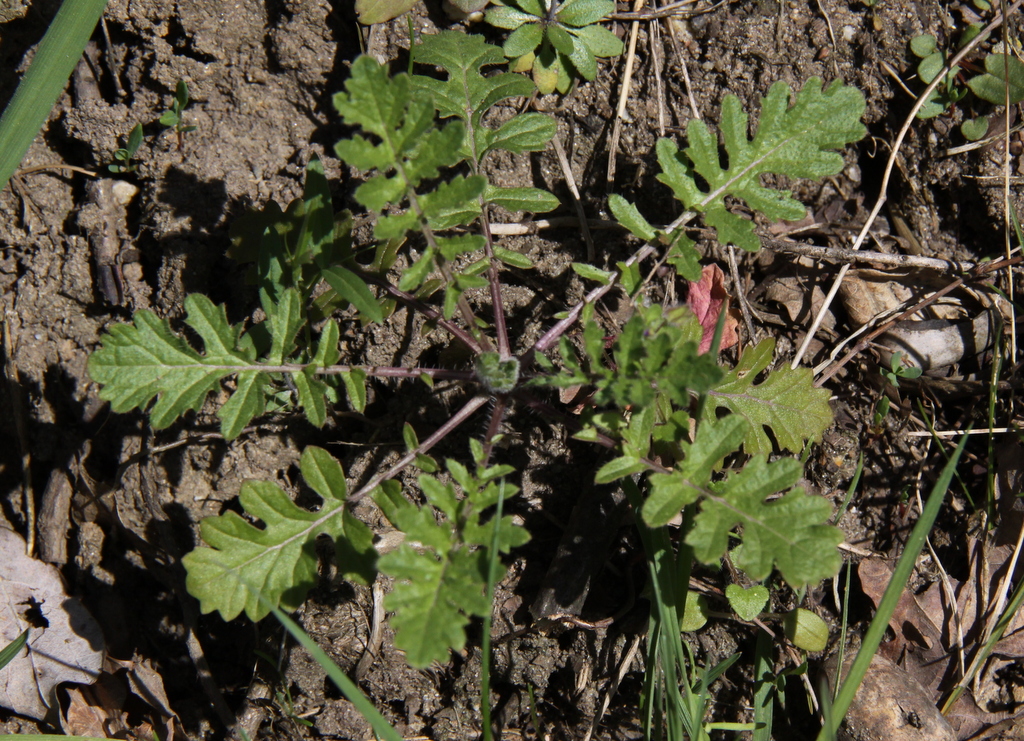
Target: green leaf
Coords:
[(467, 93), (521, 199), (628, 215), (512, 258), (789, 532), (355, 387), (601, 42), (285, 318), (589, 272), (670, 492), (992, 85), (416, 273), (143, 360), (806, 630), (619, 468), (747, 603), (523, 40), (974, 128), (454, 202), (527, 132), (796, 140), (246, 402), (930, 67), (560, 39), (353, 289), (312, 395), (507, 17), (327, 347), (538, 8), (584, 12), (696, 613), (923, 45), (582, 59), (786, 402), (380, 11), (431, 601), (278, 561), (442, 582)]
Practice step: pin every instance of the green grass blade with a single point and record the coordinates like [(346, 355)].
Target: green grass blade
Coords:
[(764, 688), (45, 79), (353, 694), (13, 648), (897, 584)]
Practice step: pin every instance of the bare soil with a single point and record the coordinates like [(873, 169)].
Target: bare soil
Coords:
[(261, 76)]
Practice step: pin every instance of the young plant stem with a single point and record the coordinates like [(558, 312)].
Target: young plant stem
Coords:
[(551, 336), (500, 328), (494, 426), (458, 418), (429, 312), (442, 264), (485, 642)]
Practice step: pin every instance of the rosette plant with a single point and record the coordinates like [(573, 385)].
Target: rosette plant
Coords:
[(557, 41)]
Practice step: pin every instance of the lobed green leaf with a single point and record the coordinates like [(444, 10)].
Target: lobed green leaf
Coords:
[(786, 402), (796, 140), (789, 533), (278, 561)]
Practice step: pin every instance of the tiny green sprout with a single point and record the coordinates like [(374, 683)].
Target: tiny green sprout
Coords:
[(1002, 82), (124, 156), (173, 118), (932, 61), (556, 40), (898, 370), (881, 411), (498, 376)]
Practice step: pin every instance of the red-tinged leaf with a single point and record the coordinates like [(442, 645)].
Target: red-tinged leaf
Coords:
[(706, 298)]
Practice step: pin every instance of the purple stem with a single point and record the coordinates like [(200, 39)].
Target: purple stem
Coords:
[(458, 418)]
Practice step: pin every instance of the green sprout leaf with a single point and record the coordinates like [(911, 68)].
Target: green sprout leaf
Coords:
[(806, 630), (370, 12), (786, 402), (747, 603), (278, 561), (992, 86), (796, 140), (696, 614)]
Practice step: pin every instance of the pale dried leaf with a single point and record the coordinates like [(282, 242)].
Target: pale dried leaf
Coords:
[(68, 649)]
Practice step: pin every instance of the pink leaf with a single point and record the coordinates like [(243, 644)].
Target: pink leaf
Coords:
[(706, 298)]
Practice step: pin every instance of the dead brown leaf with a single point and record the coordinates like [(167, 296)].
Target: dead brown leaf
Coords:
[(65, 644)]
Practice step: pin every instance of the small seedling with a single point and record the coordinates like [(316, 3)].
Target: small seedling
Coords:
[(1002, 83), (933, 59), (896, 370), (124, 156), (556, 41), (173, 118)]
